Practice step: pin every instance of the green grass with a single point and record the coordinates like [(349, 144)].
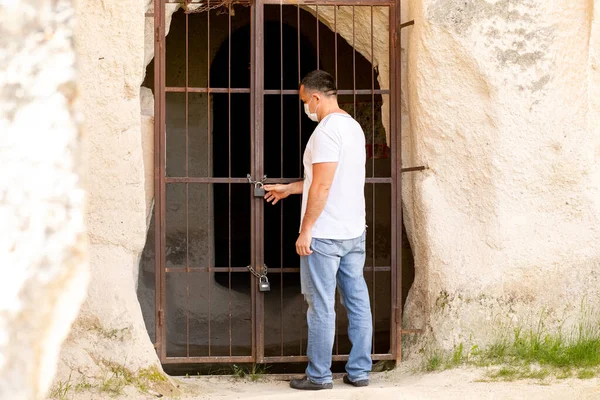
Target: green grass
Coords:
[(238, 371), (255, 372), (586, 374), (112, 382), (115, 379), (505, 373), (581, 351), (61, 390), (511, 373), (558, 355), (434, 362)]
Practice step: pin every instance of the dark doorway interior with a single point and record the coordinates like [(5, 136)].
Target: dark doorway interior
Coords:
[(232, 147), (220, 146)]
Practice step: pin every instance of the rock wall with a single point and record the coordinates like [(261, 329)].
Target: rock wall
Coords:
[(42, 240), (503, 102), (110, 330)]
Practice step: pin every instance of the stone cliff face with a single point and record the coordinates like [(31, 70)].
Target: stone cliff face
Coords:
[(43, 249), (500, 100), (110, 329), (503, 106)]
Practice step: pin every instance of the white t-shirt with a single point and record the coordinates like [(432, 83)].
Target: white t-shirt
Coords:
[(338, 138)]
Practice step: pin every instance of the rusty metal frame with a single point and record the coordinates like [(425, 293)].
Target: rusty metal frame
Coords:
[(396, 145), (257, 92)]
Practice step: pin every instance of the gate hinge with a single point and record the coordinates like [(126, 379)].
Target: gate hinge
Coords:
[(161, 317), (157, 33)]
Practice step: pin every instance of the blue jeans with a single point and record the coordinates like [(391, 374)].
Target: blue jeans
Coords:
[(340, 261)]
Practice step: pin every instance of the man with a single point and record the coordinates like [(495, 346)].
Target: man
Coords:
[(332, 236)]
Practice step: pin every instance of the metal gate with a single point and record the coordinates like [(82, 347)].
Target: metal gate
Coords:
[(226, 106)]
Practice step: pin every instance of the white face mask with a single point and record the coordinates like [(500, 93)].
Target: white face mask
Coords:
[(312, 116)]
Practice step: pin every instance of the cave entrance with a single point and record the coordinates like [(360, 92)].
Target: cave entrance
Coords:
[(225, 82)]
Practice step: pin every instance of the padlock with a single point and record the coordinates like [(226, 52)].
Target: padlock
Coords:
[(264, 285), (259, 190)]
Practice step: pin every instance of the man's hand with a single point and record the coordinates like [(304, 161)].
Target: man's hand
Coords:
[(303, 243), (276, 193)]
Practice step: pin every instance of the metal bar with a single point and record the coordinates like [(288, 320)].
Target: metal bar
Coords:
[(163, 166), (337, 295), (254, 26), (209, 173), (300, 147), (281, 175), (396, 143), (340, 92), (292, 180), (158, 106), (398, 117), (187, 214), (410, 169), (245, 269), (193, 179), (407, 24), (259, 169), (229, 172), (209, 359), (411, 331), (363, 91), (354, 57), (373, 174), (318, 39), (329, 2), (335, 46), (172, 89), (341, 357), (300, 103)]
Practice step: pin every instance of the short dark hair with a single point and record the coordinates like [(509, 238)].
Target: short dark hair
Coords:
[(319, 81)]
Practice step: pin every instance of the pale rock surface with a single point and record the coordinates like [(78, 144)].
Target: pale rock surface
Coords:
[(504, 109), (110, 329), (147, 115), (42, 240)]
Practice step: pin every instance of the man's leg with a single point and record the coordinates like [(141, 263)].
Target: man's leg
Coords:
[(318, 280), (355, 297)]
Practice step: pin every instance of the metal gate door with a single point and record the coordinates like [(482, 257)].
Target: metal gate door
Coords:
[(226, 107)]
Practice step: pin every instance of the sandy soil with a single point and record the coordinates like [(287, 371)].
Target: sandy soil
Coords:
[(460, 384), (456, 384)]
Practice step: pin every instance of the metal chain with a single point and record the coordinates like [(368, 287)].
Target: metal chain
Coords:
[(250, 268), (256, 274), (253, 182)]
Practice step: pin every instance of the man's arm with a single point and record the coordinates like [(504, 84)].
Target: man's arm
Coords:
[(296, 187), (274, 193), (318, 193)]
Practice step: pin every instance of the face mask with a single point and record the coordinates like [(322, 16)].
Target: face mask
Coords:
[(312, 116)]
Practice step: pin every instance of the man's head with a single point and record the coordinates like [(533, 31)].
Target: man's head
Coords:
[(318, 93)]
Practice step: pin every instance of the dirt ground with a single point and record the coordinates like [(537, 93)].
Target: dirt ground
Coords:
[(460, 384), (455, 384)]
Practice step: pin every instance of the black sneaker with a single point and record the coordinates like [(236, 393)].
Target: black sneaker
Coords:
[(307, 384), (361, 383)]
